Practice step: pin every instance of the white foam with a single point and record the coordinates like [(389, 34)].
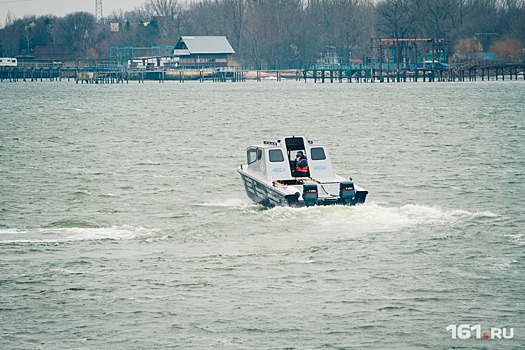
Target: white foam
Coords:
[(71, 234), (372, 217), (241, 203), (235, 202)]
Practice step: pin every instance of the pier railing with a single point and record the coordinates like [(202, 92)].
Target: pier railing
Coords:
[(502, 63)]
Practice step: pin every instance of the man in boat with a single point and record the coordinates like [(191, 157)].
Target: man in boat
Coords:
[(295, 161), (298, 158), (301, 167)]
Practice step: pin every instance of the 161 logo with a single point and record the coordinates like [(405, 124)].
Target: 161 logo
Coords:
[(466, 331)]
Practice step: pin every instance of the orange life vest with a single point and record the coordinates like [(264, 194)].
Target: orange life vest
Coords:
[(301, 170)]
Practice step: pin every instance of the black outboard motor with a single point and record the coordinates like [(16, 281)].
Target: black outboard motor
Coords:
[(347, 192), (310, 194)]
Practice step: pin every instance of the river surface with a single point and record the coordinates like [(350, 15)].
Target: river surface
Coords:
[(124, 224)]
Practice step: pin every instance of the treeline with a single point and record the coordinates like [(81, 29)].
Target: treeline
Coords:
[(279, 33)]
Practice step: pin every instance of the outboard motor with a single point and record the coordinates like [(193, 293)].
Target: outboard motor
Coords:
[(347, 192), (310, 194)]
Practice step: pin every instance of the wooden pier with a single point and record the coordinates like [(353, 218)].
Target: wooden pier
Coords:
[(30, 73), (467, 71)]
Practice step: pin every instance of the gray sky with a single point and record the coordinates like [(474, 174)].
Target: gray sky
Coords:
[(20, 8)]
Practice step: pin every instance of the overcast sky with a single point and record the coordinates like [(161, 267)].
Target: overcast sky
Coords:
[(20, 8)]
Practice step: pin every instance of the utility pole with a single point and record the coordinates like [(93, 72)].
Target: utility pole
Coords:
[(98, 10)]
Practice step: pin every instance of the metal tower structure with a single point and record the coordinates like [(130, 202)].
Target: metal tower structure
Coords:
[(98, 10)]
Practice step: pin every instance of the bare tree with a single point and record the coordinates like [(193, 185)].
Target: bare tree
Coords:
[(163, 8), (470, 47), (203, 18), (235, 13), (439, 16), (9, 18), (509, 48), (347, 25), (394, 18), (167, 16)]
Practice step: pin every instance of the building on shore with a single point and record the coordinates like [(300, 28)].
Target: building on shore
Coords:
[(203, 51)]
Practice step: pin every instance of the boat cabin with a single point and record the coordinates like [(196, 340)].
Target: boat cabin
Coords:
[(276, 160)]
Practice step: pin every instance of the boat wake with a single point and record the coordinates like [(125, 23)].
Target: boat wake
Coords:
[(57, 235), (374, 217), (232, 203), (370, 217)]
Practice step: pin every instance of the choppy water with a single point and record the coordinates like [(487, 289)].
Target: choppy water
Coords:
[(124, 225)]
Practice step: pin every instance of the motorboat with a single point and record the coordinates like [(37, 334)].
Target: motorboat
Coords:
[(273, 175)]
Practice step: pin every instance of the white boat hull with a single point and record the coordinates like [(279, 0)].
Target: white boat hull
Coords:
[(269, 194)]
